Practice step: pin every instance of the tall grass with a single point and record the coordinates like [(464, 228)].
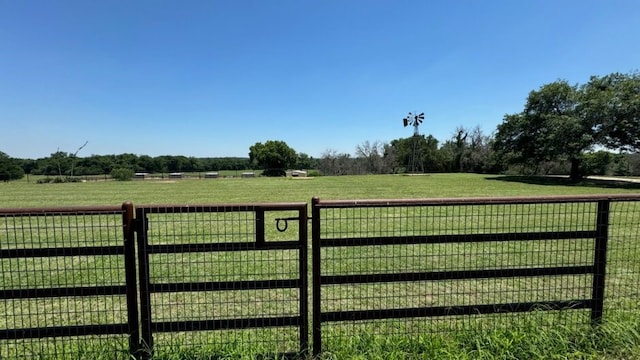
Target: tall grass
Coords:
[(529, 338)]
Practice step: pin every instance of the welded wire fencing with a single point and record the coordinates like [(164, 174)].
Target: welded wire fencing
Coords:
[(65, 291), (163, 282), (222, 277), (406, 268)]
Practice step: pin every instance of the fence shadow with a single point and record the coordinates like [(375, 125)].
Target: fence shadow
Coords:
[(565, 181)]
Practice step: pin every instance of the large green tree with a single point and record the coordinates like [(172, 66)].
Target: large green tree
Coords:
[(273, 156), (550, 128), (10, 168), (612, 104), (562, 121), (418, 152)]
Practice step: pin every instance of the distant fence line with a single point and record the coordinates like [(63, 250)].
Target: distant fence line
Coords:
[(145, 281)]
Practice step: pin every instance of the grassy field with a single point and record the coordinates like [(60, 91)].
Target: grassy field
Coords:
[(237, 190), (619, 338)]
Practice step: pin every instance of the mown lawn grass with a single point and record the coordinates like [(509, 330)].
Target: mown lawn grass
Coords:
[(237, 190)]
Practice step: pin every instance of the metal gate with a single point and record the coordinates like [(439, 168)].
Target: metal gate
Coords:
[(401, 267), (223, 277), (68, 283)]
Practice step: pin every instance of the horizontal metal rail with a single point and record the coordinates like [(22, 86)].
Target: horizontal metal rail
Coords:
[(63, 292), (456, 238), (455, 275), (59, 331), (372, 314), (225, 285), (221, 247), (225, 324), (202, 208), (472, 201), (61, 251), (62, 210)]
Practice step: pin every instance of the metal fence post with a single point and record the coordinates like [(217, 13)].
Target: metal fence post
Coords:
[(600, 261), (146, 338), (304, 281), (315, 249), (130, 279)]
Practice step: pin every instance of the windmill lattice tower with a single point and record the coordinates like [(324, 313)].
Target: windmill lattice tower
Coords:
[(415, 120)]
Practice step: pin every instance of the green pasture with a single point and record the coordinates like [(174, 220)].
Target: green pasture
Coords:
[(560, 333), (25, 193)]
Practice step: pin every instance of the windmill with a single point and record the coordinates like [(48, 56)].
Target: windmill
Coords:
[(414, 120)]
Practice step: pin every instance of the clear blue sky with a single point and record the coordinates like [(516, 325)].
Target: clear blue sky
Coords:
[(211, 78)]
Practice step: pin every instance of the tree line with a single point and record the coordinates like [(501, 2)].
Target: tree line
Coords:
[(588, 129), (579, 130), (65, 164), (469, 150)]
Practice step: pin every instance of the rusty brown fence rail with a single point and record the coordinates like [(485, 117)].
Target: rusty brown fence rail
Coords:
[(166, 281), (412, 267)]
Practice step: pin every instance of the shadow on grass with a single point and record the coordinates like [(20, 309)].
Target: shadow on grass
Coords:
[(564, 181)]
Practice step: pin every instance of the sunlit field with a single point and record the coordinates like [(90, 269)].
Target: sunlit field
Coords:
[(618, 338), (25, 193)]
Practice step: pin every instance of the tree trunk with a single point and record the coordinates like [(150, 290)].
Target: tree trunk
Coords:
[(576, 173)]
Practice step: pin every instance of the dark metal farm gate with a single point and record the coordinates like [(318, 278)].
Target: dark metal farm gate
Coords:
[(68, 283), (75, 286), (208, 269), (380, 264), (115, 282)]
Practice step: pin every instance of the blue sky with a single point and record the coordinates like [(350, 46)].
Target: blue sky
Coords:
[(211, 78)]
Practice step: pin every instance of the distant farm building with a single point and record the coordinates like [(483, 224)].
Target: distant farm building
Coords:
[(248, 174), (140, 176), (211, 175), (176, 175), (298, 173)]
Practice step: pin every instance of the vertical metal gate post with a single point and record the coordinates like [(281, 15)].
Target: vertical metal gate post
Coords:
[(304, 281), (315, 249), (146, 345), (130, 278), (600, 261)]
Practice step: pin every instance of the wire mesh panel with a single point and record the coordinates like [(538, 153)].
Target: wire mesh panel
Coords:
[(622, 290), (392, 267), (63, 288), (218, 280)]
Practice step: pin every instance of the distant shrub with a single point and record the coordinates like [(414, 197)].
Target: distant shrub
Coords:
[(122, 174), (274, 172), (314, 173), (57, 180)]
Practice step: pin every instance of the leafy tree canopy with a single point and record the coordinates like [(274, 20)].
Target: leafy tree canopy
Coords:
[(562, 121), (274, 156), (417, 153), (612, 104), (10, 169)]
